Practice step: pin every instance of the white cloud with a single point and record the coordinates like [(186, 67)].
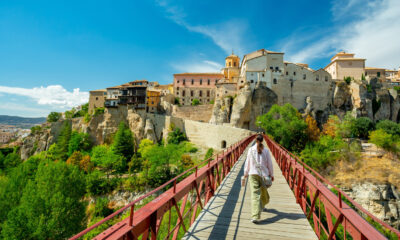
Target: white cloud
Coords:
[(53, 95), (203, 66), (372, 35), (227, 35)]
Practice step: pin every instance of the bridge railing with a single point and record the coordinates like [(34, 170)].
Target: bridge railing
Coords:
[(173, 211), (332, 216)]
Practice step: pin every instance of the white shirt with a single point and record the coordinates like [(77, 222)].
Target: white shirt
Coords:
[(253, 157)]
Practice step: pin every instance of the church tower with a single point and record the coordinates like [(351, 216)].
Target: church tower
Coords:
[(232, 70)]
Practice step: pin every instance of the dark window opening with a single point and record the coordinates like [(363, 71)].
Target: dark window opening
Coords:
[(201, 81), (208, 82), (276, 68), (378, 74), (208, 93), (223, 144), (304, 76), (287, 73), (234, 64), (183, 93), (201, 93), (183, 82), (191, 93), (192, 81), (326, 78), (294, 73), (252, 81), (263, 74), (275, 81), (272, 68)]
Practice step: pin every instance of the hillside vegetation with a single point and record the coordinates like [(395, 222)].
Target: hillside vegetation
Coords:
[(46, 196)]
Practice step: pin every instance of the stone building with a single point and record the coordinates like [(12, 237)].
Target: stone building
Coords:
[(97, 99), (190, 86), (346, 65), (393, 76), (292, 82), (5, 137), (227, 86)]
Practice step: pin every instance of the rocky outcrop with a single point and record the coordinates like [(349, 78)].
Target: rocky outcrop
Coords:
[(245, 108), (383, 100), (382, 200), (149, 132), (221, 111)]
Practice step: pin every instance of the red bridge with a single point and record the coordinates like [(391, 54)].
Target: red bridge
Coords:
[(207, 202)]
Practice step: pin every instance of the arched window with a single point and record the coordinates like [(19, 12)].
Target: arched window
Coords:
[(223, 144)]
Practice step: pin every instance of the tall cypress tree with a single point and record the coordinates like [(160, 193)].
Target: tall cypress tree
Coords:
[(63, 141), (123, 142)]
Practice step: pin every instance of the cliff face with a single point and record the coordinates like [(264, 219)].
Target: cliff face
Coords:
[(100, 128)]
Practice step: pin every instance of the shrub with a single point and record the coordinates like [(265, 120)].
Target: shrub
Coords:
[(389, 127), (36, 129), (312, 128), (347, 80), (360, 127), (384, 140), (176, 136), (53, 117), (195, 102), (98, 111), (101, 208), (369, 88), (87, 118), (322, 153), (176, 101), (212, 101), (397, 88)]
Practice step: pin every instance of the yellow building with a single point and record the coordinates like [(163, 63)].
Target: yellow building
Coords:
[(232, 70), (153, 100)]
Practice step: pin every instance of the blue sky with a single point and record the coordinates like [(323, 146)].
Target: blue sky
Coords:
[(53, 52)]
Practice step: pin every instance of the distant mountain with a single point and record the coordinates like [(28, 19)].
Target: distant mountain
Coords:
[(21, 122)]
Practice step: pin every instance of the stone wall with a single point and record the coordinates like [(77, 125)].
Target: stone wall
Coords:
[(202, 134), (200, 113)]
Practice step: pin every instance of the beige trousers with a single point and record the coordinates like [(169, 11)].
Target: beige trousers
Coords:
[(259, 196)]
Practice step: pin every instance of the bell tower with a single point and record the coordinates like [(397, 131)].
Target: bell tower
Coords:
[(231, 69)]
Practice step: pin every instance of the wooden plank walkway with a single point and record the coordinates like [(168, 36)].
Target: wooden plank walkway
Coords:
[(227, 215)]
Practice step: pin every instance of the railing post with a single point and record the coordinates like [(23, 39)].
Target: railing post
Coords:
[(131, 215), (340, 199)]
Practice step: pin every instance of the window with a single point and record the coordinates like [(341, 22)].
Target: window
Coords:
[(177, 81), (208, 82), (234, 64), (241, 81), (252, 81), (326, 78), (378, 74), (263, 75), (291, 84), (183, 81), (287, 73), (304, 76), (200, 93), (97, 98), (208, 93), (191, 93), (177, 88), (183, 93), (275, 81), (192, 81), (317, 78), (251, 74), (229, 64), (152, 102), (294, 73), (223, 144), (226, 92), (201, 81), (276, 68), (272, 68)]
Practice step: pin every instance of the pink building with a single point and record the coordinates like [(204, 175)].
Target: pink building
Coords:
[(190, 86)]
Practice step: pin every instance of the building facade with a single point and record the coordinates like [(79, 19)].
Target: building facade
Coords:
[(97, 99), (346, 65), (112, 96), (134, 94), (190, 86), (153, 101), (293, 83)]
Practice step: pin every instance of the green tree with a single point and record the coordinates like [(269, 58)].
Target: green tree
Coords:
[(123, 144), (347, 80), (389, 127), (79, 142), (51, 206), (107, 160), (2, 158), (12, 187), (75, 158), (176, 136), (53, 117), (62, 146), (12, 160), (286, 126), (361, 127)]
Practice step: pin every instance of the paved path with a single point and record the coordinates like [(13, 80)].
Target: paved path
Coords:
[(227, 215)]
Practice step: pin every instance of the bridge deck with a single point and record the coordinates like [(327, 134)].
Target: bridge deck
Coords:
[(227, 215)]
